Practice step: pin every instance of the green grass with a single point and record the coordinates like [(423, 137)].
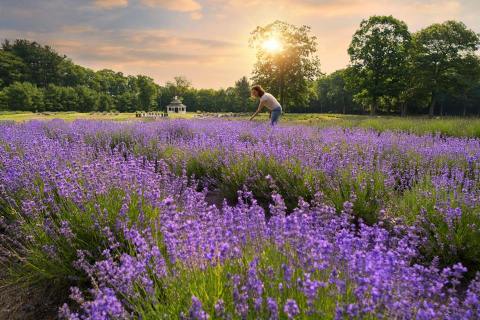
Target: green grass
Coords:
[(449, 126), (70, 116)]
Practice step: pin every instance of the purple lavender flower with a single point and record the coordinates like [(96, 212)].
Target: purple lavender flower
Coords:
[(272, 307), (196, 310), (291, 309), (220, 308), (65, 230)]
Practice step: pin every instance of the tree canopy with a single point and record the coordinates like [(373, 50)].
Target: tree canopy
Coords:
[(288, 70), (378, 54)]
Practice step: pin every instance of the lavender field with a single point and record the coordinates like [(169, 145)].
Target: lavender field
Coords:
[(216, 219)]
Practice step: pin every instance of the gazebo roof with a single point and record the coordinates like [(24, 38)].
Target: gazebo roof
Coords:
[(176, 102)]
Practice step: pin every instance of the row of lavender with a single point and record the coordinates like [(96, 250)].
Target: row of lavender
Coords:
[(106, 211)]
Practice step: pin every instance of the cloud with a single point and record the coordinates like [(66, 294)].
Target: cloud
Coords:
[(78, 29), (187, 6), (168, 39), (197, 15), (174, 5), (342, 8), (210, 46), (155, 47), (109, 4)]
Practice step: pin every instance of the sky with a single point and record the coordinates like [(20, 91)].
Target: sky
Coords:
[(203, 40)]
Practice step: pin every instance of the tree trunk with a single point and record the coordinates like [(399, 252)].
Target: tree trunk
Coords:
[(373, 110), (431, 110), (441, 109), (403, 109), (282, 87)]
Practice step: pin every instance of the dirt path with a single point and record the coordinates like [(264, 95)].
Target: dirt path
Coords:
[(22, 304)]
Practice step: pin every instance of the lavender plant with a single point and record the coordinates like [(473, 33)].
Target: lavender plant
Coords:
[(328, 223)]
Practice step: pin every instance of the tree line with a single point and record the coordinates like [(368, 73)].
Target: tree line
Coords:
[(34, 77), (434, 71)]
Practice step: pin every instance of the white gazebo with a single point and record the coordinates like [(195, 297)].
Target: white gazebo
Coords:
[(176, 106)]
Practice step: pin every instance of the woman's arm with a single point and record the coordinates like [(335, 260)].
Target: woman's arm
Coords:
[(260, 107)]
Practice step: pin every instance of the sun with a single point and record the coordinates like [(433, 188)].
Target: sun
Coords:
[(272, 45)]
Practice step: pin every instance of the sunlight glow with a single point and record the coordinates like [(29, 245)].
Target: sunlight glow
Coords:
[(272, 45)]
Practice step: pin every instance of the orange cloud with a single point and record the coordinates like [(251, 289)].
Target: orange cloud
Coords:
[(109, 4), (189, 6), (174, 5), (337, 8)]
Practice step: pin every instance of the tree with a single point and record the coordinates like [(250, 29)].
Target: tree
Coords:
[(59, 98), (127, 102), (105, 102), (42, 61), (474, 95), (288, 70), (242, 95), (12, 68), (333, 94), (147, 92), (466, 79), (179, 86), (72, 75), (206, 100), (87, 99), (442, 52), (111, 82), (22, 96), (378, 54), (337, 92)]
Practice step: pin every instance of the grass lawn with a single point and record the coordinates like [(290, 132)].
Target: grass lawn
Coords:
[(70, 116)]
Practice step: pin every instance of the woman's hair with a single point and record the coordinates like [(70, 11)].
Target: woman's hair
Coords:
[(259, 90)]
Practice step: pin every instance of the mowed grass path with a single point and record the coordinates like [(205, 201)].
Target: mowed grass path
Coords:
[(448, 126)]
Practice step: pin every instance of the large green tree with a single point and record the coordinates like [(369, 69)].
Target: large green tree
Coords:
[(42, 62), (111, 82), (147, 93), (12, 68), (443, 53), (333, 95), (22, 96), (289, 64), (242, 95), (87, 99), (378, 55), (71, 75), (179, 86), (58, 98)]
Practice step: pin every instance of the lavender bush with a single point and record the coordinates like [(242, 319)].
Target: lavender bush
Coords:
[(322, 223)]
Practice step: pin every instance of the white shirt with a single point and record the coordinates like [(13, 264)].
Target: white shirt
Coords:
[(269, 101)]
